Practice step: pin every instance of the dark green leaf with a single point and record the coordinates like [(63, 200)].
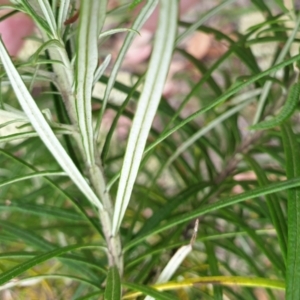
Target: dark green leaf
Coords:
[(113, 285), (291, 149)]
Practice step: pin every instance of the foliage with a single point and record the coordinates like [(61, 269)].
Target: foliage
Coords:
[(199, 204)]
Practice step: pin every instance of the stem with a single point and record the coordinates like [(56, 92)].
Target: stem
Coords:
[(65, 79), (115, 256)]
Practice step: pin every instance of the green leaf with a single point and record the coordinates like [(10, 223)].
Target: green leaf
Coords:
[(146, 290), (113, 285), (291, 149), (86, 64), (287, 110), (275, 210), (147, 106)]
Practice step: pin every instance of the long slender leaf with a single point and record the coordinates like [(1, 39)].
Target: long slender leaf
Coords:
[(56, 188), (291, 149), (30, 176), (157, 72), (113, 285), (86, 63), (275, 209), (147, 106)]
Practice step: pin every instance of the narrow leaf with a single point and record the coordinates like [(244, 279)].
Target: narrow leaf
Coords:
[(291, 149), (275, 210), (101, 69), (86, 63), (62, 15), (147, 106), (30, 176), (113, 285)]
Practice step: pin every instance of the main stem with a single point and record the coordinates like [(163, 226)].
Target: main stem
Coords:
[(65, 79)]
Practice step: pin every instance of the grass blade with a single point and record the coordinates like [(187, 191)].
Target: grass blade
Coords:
[(113, 285)]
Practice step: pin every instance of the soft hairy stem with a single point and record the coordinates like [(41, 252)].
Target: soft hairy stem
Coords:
[(64, 80), (115, 256)]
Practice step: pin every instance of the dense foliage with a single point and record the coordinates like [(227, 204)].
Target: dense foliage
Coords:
[(197, 198)]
